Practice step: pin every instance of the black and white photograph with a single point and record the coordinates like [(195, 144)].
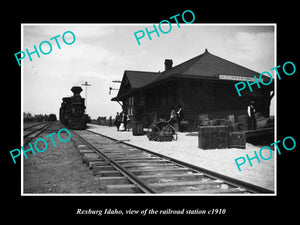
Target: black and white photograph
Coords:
[(160, 117), (146, 114)]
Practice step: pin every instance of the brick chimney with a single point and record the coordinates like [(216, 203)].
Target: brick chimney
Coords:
[(168, 64)]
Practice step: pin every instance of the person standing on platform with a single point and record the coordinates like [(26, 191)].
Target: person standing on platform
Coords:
[(251, 116), (124, 120), (110, 122), (179, 115), (121, 127), (172, 119), (117, 121)]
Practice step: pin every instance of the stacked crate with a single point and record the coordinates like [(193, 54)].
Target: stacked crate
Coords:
[(212, 137), (237, 139), (242, 121), (204, 121), (232, 125), (222, 133), (231, 118)]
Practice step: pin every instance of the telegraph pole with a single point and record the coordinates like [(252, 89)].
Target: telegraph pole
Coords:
[(86, 84)]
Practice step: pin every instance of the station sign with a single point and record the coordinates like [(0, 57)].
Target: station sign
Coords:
[(232, 77)]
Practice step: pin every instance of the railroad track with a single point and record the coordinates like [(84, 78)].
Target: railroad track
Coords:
[(31, 132), (124, 168)]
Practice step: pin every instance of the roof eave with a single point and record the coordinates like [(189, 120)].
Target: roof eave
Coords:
[(124, 95)]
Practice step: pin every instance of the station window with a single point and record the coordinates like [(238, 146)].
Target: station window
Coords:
[(130, 105)]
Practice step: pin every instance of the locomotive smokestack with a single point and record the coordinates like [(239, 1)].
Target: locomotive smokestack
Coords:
[(76, 90)]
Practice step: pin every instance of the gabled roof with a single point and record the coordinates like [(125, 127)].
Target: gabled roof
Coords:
[(133, 80), (204, 66), (207, 65), (138, 79)]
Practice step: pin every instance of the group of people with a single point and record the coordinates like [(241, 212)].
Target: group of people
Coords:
[(121, 121)]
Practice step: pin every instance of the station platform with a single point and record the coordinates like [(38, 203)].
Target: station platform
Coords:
[(219, 160)]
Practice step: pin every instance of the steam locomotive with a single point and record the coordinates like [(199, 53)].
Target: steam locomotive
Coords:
[(71, 112)]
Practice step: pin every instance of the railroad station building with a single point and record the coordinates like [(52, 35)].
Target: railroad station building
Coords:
[(201, 85)]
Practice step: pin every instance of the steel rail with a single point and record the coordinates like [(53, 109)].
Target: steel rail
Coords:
[(38, 124), (34, 131), (134, 179), (252, 188)]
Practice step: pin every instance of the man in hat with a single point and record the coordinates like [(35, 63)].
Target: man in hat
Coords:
[(251, 116)]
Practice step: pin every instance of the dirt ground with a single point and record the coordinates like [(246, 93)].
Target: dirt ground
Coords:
[(57, 170)]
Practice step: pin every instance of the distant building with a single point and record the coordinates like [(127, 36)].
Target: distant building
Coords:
[(202, 85)]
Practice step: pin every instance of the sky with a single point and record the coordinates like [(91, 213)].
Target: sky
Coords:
[(101, 53)]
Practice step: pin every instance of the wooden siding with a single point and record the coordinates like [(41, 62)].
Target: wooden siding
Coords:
[(216, 98)]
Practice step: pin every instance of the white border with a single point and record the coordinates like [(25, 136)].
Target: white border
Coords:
[(142, 24), (22, 119)]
